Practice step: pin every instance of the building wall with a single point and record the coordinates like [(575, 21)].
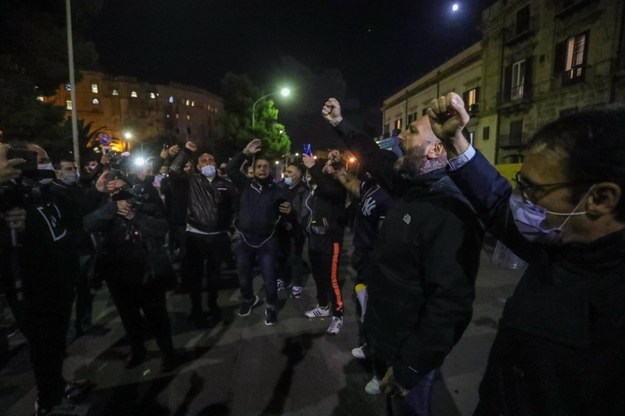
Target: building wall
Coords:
[(172, 113), (514, 104)]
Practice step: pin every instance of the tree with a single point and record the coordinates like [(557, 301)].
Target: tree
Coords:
[(33, 63), (239, 95)]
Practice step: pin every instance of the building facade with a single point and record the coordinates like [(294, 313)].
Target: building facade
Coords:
[(132, 112), (539, 59)]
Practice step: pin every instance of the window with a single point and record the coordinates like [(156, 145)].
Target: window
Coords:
[(187, 102), (470, 100), (95, 101), (133, 94), (188, 117), (167, 115), (152, 96), (68, 104), (114, 92), (518, 80), (412, 117), (523, 20), (177, 115), (486, 133), (94, 87), (171, 99), (516, 133), (570, 59), (192, 103), (398, 123)]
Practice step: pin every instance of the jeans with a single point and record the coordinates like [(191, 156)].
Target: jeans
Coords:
[(418, 402), (266, 255)]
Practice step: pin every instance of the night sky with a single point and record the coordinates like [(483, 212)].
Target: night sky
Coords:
[(360, 51)]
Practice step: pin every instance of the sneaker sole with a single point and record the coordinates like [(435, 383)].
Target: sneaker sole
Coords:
[(256, 302)]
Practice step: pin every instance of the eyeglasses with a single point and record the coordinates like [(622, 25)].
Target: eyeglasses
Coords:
[(528, 188)]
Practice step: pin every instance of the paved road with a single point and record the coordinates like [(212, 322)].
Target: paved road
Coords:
[(244, 368)]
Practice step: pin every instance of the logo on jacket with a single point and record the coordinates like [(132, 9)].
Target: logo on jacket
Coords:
[(368, 206), (52, 217)]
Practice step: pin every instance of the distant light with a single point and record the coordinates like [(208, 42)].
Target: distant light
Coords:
[(277, 162), (127, 135), (352, 159), (455, 7), (296, 154), (285, 92), (139, 161)]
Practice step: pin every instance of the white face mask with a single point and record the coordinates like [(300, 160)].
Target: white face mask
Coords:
[(288, 181), (45, 166), (209, 171), (70, 178)]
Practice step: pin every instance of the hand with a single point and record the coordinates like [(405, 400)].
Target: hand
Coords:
[(448, 117), (173, 150), (308, 161), (7, 167), (191, 146), (104, 160), (285, 208), (334, 156), (124, 209), (253, 147), (388, 385), (331, 111), (164, 152), (101, 182), (15, 219)]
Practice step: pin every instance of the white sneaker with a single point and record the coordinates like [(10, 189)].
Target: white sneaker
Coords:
[(336, 324), (373, 386), (318, 312), (359, 353), (280, 285)]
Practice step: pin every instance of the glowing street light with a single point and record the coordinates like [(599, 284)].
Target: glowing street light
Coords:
[(455, 7), (285, 92)]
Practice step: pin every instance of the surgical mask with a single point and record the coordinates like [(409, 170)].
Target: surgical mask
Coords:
[(531, 220), (209, 171), (70, 178), (288, 181), (45, 166)]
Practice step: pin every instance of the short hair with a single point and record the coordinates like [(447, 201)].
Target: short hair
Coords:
[(593, 145), (297, 166)]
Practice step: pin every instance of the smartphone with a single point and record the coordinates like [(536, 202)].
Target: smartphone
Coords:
[(30, 166), (307, 149)]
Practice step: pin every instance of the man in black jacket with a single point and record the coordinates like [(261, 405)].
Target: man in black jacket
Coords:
[(421, 280), (210, 208), (262, 206), (326, 227)]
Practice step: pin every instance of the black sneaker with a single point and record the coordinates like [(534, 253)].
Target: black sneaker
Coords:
[(246, 307), (271, 318)]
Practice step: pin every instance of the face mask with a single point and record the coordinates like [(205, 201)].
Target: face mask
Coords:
[(45, 166), (288, 181), (209, 171), (531, 220), (70, 178)]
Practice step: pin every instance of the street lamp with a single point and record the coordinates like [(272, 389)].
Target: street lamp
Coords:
[(285, 92)]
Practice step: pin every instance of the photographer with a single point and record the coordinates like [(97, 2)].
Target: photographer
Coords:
[(133, 261), (36, 223)]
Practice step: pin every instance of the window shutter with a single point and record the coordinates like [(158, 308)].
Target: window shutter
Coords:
[(507, 84), (558, 61)]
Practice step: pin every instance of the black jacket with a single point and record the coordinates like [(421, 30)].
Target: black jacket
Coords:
[(211, 204), (258, 213), (327, 208), (421, 281)]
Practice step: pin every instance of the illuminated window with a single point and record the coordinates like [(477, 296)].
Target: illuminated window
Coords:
[(152, 96), (40, 98), (574, 58), (398, 123), (94, 88), (518, 80), (171, 99), (177, 115), (187, 102), (68, 104), (167, 115), (95, 101), (115, 92), (134, 94), (192, 103), (188, 117)]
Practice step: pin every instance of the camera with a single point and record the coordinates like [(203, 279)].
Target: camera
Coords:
[(29, 167)]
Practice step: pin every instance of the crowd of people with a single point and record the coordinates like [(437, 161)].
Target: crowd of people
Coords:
[(421, 215)]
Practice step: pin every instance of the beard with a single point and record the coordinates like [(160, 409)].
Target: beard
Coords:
[(416, 163)]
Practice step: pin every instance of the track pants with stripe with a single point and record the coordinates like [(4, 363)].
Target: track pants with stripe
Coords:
[(324, 256)]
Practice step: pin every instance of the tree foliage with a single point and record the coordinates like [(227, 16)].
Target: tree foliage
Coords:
[(33, 63), (239, 95)]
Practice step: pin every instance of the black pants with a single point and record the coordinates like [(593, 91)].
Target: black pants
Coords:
[(84, 297), (44, 320), (290, 258), (203, 256), (324, 261), (130, 300)]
